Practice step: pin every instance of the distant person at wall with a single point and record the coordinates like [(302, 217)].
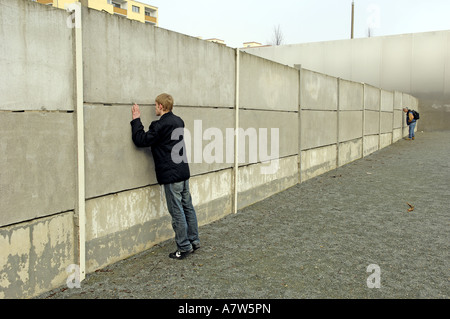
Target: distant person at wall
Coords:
[(411, 122), (172, 170)]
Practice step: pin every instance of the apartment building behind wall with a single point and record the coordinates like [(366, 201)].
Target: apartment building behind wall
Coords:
[(133, 10)]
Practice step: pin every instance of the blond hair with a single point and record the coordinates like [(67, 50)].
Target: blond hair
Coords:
[(166, 100)]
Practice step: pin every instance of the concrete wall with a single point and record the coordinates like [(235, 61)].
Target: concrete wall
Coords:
[(292, 125), (417, 64), (342, 121)]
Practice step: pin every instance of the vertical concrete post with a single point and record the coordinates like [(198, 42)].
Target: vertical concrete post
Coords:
[(299, 119), (338, 109), (80, 210), (363, 119), (236, 138), (379, 119), (403, 121), (393, 111)]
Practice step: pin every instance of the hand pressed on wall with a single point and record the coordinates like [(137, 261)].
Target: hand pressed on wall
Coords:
[(135, 112)]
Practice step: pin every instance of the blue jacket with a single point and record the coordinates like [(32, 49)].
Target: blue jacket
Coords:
[(159, 138)]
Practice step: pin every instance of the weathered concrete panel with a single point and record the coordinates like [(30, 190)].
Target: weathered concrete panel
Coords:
[(385, 140), (397, 119), (387, 101), (114, 163), (370, 144), (351, 95), (267, 85), (372, 98), (143, 61), (254, 185), (396, 134), (398, 100), (386, 122), (37, 166), (37, 68), (34, 255), (350, 125), (318, 91), (371, 122), (406, 100), (350, 151), (319, 128), (285, 123), (318, 161)]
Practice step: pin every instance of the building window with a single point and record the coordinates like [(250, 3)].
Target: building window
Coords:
[(136, 9), (117, 5), (150, 13)]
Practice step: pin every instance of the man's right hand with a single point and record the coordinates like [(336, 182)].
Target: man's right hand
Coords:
[(135, 112)]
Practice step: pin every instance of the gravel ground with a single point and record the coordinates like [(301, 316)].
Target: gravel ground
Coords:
[(313, 240)]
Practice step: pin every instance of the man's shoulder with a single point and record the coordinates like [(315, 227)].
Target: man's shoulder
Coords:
[(172, 118)]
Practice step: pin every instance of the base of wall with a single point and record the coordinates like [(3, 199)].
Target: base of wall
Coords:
[(34, 255)]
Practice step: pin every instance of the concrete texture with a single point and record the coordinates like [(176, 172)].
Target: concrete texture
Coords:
[(30, 66), (417, 64), (267, 85), (386, 122), (34, 255), (37, 166), (127, 61), (371, 122), (317, 161), (349, 151), (372, 98), (254, 185), (387, 101), (285, 123), (313, 240), (351, 95), (319, 128), (318, 91), (350, 125)]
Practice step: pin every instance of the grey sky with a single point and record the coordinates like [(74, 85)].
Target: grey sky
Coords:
[(238, 21)]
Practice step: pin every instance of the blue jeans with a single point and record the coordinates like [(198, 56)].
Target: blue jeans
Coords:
[(412, 126), (184, 218)]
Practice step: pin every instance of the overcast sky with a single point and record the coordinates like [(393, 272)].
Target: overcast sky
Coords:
[(238, 21)]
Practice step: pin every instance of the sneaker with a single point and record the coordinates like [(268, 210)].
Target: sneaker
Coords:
[(180, 254), (195, 246), (413, 138)]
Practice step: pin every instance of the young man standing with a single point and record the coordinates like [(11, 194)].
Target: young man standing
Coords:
[(411, 122), (174, 175)]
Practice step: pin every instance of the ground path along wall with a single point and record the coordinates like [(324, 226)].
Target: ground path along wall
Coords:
[(253, 128)]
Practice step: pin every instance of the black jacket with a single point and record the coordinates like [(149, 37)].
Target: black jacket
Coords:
[(170, 168)]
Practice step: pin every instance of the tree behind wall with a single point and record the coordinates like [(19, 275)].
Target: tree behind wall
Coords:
[(277, 36)]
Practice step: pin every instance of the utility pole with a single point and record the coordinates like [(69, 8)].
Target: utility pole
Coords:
[(353, 17)]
